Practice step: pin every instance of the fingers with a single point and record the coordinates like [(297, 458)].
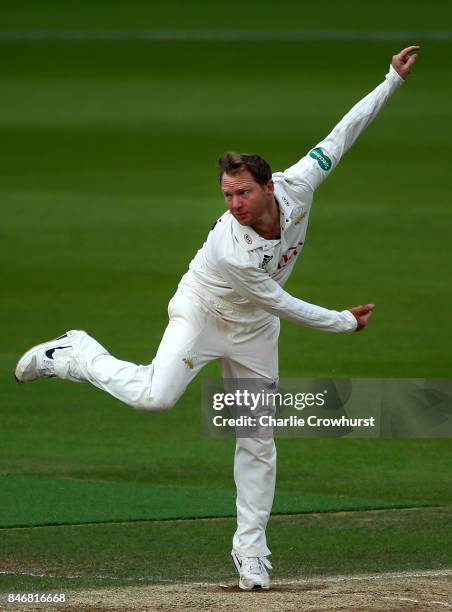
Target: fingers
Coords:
[(407, 51), (362, 314), (368, 314), (362, 310), (411, 61), (363, 319)]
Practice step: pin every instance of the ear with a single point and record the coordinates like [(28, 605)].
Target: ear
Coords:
[(270, 187)]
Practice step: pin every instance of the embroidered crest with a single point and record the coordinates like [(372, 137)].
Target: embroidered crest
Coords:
[(188, 362), (300, 218)]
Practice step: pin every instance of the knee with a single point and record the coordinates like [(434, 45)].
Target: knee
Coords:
[(260, 448), (154, 404)]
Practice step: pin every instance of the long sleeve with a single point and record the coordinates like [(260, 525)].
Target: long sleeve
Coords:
[(256, 285), (311, 170)]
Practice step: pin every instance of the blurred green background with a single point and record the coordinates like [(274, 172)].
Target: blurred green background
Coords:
[(108, 186)]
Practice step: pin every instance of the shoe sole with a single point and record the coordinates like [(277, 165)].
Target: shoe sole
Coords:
[(28, 355), (255, 587)]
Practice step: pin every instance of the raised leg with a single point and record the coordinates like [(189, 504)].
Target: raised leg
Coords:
[(187, 345)]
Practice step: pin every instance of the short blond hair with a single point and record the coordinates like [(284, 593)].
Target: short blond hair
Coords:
[(232, 163)]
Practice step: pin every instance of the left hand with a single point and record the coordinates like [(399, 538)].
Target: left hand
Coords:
[(362, 314), (403, 61)]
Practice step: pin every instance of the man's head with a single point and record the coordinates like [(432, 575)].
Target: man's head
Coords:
[(247, 186)]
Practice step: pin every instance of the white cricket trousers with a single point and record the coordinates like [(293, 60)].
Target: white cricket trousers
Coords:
[(201, 328)]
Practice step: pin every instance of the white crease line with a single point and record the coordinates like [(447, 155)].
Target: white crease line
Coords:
[(332, 579), (74, 577), (439, 603), (387, 575), (226, 35), (35, 575)]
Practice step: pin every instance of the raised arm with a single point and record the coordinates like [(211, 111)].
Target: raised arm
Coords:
[(311, 170)]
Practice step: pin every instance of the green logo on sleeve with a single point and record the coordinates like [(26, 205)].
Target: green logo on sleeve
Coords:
[(323, 160)]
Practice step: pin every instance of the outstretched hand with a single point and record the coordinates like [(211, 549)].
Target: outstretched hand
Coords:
[(403, 61), (362, 314)]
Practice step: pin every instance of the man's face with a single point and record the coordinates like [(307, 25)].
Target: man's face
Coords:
[(246, 199)]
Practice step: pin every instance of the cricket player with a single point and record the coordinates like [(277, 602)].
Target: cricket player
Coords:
[(228, 307)]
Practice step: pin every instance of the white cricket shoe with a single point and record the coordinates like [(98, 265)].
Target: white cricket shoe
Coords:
[(253, 572), (37, 362)]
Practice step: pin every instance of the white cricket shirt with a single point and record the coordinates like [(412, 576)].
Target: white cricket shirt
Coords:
[(240, 267)]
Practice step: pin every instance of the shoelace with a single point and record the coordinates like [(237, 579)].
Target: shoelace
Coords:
[(265, 562), (254, 564), (46, 365)]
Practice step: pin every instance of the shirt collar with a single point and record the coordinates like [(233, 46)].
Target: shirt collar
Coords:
[(247, 237), (250, 239)]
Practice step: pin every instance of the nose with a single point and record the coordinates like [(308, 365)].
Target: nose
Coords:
[(236, 203)]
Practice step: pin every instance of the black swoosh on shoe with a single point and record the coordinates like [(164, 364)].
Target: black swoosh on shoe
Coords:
[(49, 352)]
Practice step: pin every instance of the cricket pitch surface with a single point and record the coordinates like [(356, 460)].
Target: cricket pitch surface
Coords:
[(391, 592)]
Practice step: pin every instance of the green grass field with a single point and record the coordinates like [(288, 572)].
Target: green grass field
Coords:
[(108, 186)]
